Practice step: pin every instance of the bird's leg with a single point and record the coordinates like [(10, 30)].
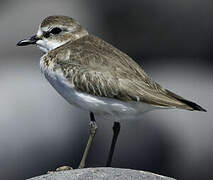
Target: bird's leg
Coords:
[(116, 130), (93, 128)]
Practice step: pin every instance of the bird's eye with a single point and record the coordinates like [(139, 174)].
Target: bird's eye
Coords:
[(56, 30)]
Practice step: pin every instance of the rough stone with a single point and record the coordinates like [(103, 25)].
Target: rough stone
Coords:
[(101, 174)]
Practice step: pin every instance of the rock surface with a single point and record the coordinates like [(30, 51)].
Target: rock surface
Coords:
[(101, 174)]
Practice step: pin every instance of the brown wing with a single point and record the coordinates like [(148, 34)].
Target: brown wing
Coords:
[(91, 80), (97, 68)]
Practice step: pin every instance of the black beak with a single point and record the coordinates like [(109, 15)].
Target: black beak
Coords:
[(26, 42)]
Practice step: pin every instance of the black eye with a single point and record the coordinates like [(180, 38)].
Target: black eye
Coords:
[(56, 30)]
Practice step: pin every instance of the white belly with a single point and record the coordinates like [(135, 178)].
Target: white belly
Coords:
[(109, 108)]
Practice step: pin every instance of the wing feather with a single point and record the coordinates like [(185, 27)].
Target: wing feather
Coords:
[(98, 68)]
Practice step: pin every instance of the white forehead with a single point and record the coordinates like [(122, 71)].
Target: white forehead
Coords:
[(39, 33)]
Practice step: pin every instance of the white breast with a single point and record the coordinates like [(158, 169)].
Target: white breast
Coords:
[(108, 107)]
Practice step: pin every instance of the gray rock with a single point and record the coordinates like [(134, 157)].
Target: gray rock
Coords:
[(101, 174)]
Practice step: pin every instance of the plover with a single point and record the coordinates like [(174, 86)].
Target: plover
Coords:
[(94, 75)]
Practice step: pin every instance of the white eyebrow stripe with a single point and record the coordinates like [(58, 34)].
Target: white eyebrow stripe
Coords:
[(41, 30), (39, 33)]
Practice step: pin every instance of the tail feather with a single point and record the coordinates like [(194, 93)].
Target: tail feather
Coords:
[(194, 106)]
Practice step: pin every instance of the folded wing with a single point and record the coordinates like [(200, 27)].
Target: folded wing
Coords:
[(98, 68)]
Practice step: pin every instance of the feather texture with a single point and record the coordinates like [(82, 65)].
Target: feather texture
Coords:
[(97, 68)]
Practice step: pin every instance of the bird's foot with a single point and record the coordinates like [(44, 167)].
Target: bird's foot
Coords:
[(62, 168)]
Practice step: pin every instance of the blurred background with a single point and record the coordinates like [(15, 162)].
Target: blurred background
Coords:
[(172, 40)]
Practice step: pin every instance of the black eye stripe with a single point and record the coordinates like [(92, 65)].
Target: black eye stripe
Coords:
[(56, 30), (46, 34)]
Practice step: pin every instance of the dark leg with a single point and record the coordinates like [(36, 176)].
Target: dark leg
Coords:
[(116, 130), (93, 128)]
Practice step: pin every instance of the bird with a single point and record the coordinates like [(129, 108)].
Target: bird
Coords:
[(96, 76)]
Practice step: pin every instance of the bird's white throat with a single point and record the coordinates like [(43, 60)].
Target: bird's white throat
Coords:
[(48, 45)]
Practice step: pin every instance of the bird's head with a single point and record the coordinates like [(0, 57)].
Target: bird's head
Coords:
[(55, 31)]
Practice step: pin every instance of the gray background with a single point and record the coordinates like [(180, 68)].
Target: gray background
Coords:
[(40, 131)]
